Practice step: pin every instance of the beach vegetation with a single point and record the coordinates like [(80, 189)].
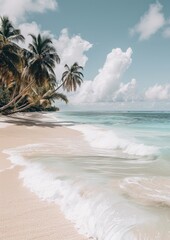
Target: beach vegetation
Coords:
[(72, 77), (27, 76)]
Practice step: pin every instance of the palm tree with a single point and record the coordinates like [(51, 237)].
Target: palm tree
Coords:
[(35, 100), (8, 32), (9, 51), (11, 62), (72, 77), (27, 77), (39, 70), (41, 60)]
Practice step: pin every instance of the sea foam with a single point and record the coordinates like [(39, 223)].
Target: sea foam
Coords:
[(95, 214), (101, 138), (98, 214), (148, 190)]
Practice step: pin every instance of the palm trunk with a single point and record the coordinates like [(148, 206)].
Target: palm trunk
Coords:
[(14, 92), (19, 100), (21, 109), (16, 98), (25, 104), (55, 90)]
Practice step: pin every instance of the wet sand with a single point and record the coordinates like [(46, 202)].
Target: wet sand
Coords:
[(22, 214)]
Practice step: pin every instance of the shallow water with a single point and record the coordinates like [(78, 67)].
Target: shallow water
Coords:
[(115, 187)]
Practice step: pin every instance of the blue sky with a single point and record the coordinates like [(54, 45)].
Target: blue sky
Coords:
[(107, 25)]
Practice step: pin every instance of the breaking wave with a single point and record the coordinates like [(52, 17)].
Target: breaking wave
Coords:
[(107, 139)]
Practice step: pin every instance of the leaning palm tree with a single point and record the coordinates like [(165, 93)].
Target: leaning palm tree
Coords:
[(39, 69), (8, 32), (42, 59), (10, 53), (72, 77), (11, 67), (37, 100), (11, 62)]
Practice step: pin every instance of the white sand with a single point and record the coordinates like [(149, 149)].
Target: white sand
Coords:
[(22, 215)]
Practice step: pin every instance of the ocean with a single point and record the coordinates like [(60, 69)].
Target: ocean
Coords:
[(115, 183)]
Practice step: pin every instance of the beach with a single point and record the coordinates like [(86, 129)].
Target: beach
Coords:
[(84, 120), (23, 214), (85, 175)]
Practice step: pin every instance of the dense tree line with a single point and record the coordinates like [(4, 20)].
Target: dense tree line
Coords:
[(27, 78)]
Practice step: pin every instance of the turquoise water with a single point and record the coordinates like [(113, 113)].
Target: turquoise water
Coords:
[(149, 128), (113, 183)]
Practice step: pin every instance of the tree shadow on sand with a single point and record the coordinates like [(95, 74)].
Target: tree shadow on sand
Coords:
[(24, 121)]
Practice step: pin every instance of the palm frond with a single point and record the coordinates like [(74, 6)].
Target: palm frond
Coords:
[(72, 77), (58, 96), (32, 48), (33, 37), (17, 38)]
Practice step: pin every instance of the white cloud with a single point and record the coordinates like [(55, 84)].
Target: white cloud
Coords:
[(70, 49), (108, 78), (26, 29), (106, 85), (150, 22), (126, 92), (16, 10), (158, 92), (32, 28), (107, 81)]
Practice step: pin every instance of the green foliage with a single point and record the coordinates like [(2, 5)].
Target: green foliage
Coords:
[(72, 77), (27, 77), (4, 97)]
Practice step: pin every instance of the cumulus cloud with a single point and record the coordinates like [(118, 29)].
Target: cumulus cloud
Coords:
[(70, 49), (32, 28), (18, 9), (126, 92), (150, 22), (107, 81), (158, 92), (26, 29)]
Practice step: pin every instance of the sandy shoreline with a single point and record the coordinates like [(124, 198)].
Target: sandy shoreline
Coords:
[(23, 215)]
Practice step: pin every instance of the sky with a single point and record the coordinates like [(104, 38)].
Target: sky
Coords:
[(123, 45)]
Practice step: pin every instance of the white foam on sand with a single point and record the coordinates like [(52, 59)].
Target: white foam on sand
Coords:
[(101, 215)]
